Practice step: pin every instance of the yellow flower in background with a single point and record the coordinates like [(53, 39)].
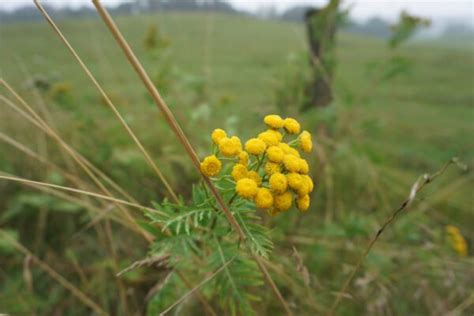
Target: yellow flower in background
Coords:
[(292, 163), (244, 158), (264, 198), (246, 188), (306, 143), (292, 126), (271, 168), (283, 201), (278, 182), (217, 135), (302, 203), (255, 177), (211, 166), (230, 147), (295, 180), (274, 121), (255, 146), (239, 171), (457, 241), (275, 154)]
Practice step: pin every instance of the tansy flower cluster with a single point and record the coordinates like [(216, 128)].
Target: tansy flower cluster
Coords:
[(457, 240), (266, 170)]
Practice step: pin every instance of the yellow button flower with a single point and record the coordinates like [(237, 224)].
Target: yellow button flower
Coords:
[(306, 142), (304, 189), (230, 147), (246, 188), (278, 182), (283, 201), (271, 168), (239, 171), (309, 182), (244, 158), (295, 180), (274, 121), (255, 146), (275, 154), (289, 150), (302, 203), (303, 166), (255, 177), (211, 166), (292, 126), (291, 163), (264, 198), (270, 137), (217, 135)]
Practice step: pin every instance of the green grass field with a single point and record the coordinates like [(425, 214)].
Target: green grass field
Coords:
[(223, 71)]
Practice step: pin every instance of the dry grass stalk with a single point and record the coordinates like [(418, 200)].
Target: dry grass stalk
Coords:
[(79, 159), (55, 275), (109, 102), (415, 189), (182, 138)]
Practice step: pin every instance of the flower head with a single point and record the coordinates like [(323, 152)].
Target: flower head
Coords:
[(283, 201), (303, 166), (275, 154), (270, 137), (292, 126), (255, 146), (230, 147), (255, 177), (217, 135), (292, 163), (271, 168), (264, 198), (306, 142), (302, 203), (295, 180), (244, 158), (278, 182), (211, 166), (274, 121), (246, 188), (239, 171)]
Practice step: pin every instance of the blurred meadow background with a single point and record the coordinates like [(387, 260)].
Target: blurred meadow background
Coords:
[(398, 111)]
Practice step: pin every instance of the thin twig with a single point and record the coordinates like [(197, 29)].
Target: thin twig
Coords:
[(108, 101), (100, 196), (55, 275), (161, 104), (417, 187)]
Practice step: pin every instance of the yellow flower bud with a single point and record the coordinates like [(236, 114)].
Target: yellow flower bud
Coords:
[(309, 182), (217, 135), (278, 182), (303, 167), (255, 146), (271, 168), (302, 203), (244, 158), (292, 126), (230, 147), (211, 166), (274, 121), (264, 198), (270, 137), (239, 171), (275, 154), (295, 180), (246, 188), (291, 163), (306, 142), (283, 201)]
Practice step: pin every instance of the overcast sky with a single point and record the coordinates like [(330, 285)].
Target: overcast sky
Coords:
[(361, 9)]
